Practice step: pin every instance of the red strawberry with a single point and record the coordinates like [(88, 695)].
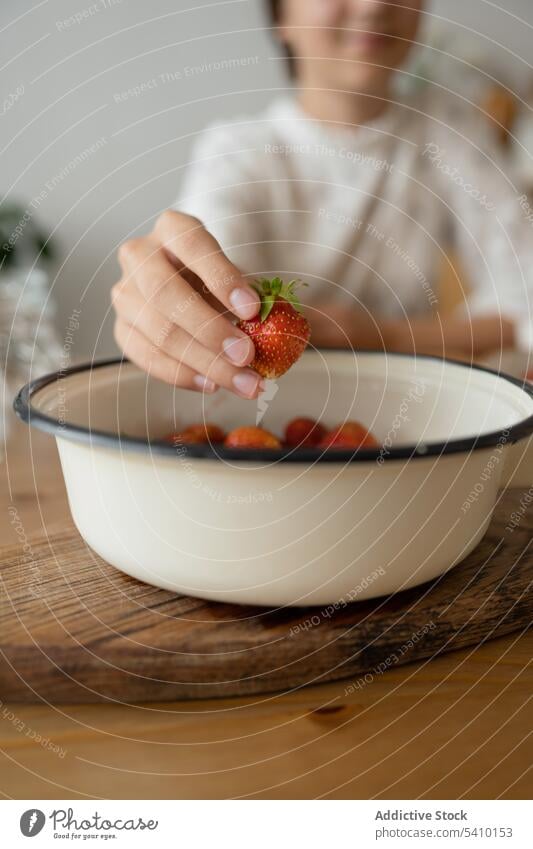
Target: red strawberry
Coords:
[(197, 433), (251, 437), (280, 332), (349, 435), (303, 432)]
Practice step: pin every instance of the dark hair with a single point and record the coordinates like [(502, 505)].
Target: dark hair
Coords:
[(274, 13)]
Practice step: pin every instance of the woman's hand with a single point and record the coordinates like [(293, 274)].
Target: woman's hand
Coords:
[(174, 304), (464, 338)]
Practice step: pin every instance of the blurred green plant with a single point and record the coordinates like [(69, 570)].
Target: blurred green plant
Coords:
[(21, 240)]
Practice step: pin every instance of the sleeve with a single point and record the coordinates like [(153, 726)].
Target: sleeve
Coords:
[(491, 232), (221, 189)]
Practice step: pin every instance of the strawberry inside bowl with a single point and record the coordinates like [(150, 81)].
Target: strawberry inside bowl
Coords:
[(286, 525)]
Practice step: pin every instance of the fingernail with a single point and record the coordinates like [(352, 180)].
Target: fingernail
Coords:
[(204, 384), (246, 382), (245, 302), (237, 349)]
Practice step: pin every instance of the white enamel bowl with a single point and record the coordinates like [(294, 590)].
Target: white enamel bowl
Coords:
[(288, 528)]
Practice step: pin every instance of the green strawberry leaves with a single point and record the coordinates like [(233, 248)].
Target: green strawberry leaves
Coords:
[(270, 290)]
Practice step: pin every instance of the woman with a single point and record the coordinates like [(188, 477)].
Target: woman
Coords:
[(345, 185)]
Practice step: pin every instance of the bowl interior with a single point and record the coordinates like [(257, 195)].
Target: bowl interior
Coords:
[(402, 399)]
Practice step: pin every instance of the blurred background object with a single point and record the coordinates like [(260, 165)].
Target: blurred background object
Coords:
[(501, 108)]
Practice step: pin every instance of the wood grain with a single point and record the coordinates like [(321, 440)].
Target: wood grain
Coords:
[(73, 629)]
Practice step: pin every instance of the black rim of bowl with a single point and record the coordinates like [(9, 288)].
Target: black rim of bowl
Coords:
[(24, 410)]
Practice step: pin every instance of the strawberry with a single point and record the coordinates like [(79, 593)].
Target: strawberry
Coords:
[(197, 433), (280, 332), (251, 437), (349, 435), (303, 432)]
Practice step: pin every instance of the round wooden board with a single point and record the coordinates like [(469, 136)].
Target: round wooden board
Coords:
[(73, 629)]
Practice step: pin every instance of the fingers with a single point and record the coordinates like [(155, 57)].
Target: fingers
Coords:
[(189, 242), (145, 263), (140, 351), (176, 344)]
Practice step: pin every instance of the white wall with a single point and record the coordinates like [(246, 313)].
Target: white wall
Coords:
[(72, 76)]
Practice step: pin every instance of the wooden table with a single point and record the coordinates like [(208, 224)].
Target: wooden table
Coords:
[(455, 727)]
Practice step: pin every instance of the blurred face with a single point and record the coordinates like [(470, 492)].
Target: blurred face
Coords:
[(352, 45)]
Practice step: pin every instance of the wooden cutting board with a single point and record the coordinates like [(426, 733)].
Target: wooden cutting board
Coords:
[(73, 629)]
